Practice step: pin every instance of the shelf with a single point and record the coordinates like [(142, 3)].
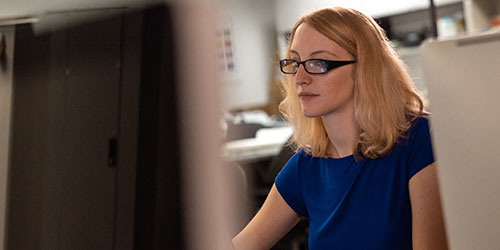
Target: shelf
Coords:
[(479, 13), (383, 11)]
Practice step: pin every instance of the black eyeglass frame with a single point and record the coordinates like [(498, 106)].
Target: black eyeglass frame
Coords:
[(330, 64)]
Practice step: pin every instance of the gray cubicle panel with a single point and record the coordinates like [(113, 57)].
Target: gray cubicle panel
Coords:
[(463, 79)]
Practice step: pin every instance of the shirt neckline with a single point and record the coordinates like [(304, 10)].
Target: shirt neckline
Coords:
[(348, 157)]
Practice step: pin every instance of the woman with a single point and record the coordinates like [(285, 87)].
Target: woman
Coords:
[(364, 174)]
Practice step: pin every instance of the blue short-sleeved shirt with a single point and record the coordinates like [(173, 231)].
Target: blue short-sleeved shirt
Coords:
[(358, 204)]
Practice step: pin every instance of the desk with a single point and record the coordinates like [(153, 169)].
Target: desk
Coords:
[(266, 143)]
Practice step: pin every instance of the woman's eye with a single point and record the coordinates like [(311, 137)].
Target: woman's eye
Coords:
[(315, 63)]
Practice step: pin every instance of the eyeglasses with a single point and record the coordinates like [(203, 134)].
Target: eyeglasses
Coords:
[(312, 66)]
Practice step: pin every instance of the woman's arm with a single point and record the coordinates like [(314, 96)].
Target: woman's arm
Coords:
[(273, 220), (428, 224)]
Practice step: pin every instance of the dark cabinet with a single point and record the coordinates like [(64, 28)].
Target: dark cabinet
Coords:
[(65, 115), (95, 147)]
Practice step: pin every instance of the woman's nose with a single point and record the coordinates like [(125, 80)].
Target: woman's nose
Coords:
[(302, 77)]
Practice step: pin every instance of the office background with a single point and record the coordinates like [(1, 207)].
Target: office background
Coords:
[(249, 91)]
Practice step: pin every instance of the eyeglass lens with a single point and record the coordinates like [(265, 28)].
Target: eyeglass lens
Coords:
[(311, 66)]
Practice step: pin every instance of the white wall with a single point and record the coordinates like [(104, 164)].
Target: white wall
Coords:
[(253, 38), (289, 11)]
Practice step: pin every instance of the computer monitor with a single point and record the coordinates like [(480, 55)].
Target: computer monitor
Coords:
[(462, 77)]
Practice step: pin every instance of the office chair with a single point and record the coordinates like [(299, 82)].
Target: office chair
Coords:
[(268, 172), (278, 162)]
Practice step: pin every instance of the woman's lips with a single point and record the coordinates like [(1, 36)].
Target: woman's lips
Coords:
[(305, 96)]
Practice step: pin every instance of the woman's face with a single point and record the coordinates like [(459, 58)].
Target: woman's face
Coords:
[(323, 94)]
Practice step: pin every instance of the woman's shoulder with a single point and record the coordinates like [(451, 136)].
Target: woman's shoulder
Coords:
[(419, 130), (303, 153), (420, 123), (302, 157)]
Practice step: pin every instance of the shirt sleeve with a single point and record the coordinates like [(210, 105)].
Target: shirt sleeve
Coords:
[(421, 153), (289, 186)]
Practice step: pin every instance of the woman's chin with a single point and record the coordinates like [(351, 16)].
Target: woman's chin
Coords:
[(309, 114)]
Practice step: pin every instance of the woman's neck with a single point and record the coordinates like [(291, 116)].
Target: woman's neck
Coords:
[(342, 130)]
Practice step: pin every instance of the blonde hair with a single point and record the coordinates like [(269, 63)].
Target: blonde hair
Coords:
[(385, 99)]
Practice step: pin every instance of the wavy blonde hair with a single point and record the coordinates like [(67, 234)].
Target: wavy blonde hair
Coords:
[(385, 99)]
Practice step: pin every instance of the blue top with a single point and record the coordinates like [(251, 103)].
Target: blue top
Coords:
[(358, 205)]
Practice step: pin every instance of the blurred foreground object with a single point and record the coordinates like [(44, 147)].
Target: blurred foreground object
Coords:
[(462, 77)]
